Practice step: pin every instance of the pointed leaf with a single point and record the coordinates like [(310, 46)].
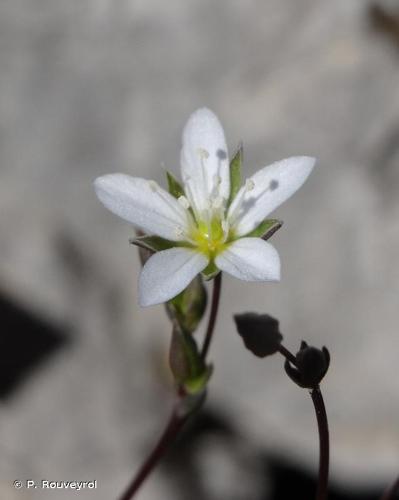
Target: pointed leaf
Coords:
[(266, 229), (153, 243), (235, 173), (174, 186)]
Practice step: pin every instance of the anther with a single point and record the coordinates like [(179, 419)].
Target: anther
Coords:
[(249, 185), (203, 153), (153, 185), (217, 203), (183, 202)]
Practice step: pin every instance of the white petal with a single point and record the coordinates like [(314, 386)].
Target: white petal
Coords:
[(167, 273), (250, 259), (204, 160), (144, 204), (271, 186)]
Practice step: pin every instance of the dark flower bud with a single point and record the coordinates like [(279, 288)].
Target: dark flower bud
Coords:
[(311, 365), (260, 333)]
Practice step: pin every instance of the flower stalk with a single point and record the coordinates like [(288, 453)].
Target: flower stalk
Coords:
[(181, 411), (324, 443), (322, 422), (217, 285), (172, 429)]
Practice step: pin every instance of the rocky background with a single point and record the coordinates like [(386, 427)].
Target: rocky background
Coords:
[(97, 86)]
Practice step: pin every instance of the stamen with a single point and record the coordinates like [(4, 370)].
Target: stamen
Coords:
[(203, 153), (225, 228), (153, 186), (179, 232), (239, 200), (183, 202), (217, 203), (249, 185)]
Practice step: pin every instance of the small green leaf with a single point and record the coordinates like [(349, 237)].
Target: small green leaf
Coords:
[(188, 308), (235, 173), (266, 229), (174, 186), (153, 243)]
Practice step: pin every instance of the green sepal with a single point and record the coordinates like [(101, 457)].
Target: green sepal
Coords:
[(188, 308), (153, 243), (197, 384), (174, 186), (211, 271), (188, 368), (185, 361), (235, 173), (266, 229)]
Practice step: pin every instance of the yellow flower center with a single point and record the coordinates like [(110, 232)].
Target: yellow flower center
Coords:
[(210, 238)]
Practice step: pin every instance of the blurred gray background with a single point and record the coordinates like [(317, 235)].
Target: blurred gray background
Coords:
[(99, 86)]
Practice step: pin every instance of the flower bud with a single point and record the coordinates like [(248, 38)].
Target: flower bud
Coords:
[(259, 332), (310, 367), (189, 306), (189, 370)]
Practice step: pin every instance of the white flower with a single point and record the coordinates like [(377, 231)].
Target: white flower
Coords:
[(205, 229)]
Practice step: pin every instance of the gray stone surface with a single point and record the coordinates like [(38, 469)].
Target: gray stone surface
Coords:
[(92, 87)]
